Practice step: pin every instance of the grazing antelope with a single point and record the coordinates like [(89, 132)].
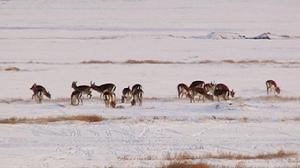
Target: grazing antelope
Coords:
[(108, 87), (76, 97), (183, 90), (136, 86), (109, 99), (38, 92), (209, 88), (201, 93), (196, 84), (222, 90), (137, 97), (84, 89), (126, 95), (272, 86)]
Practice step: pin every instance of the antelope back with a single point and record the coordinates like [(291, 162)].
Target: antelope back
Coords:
[(271, 83), (136, 86), (221, 86), (195, 84), (182, 86), (108, 87)]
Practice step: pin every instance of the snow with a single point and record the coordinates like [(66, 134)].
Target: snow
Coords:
[(240, 43)]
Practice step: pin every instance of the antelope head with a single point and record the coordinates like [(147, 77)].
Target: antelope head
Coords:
[(232, 93), (33, 86), (74, 84), (277, 90)]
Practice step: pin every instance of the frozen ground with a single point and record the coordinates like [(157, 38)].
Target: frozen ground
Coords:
[(188, 40)]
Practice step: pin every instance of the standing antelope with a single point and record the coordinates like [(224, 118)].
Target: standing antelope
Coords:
[(272, 86), (76, 97), (137, 97), (109, 99), (108, 87), (126, 95), (222, 90), (38, 92), (196, 84), (183, 90), (84, 89), (201, 93)]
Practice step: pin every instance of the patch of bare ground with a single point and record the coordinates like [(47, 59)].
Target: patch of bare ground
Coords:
[(96, 62), (297, 119), (177, 164), (14, 69), (45, 120)]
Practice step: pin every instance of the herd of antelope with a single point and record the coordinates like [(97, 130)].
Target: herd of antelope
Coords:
[(133, 95), (197, 90)]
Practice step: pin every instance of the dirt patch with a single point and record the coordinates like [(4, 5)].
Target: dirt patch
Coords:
[(45, 120)]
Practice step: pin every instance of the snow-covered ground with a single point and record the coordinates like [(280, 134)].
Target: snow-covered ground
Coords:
[(240, 43)]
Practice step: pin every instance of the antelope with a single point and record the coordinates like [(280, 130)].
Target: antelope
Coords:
[(76, 97), (137, 97), (196, 84), (84, 89), (272, 86), (136, 86), (108, 87), (222, 90), (38, 92), (209, 88), (201, 93), (109, 99), (183, 90), (127, 95)]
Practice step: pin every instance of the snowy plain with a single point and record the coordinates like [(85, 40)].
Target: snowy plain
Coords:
[(49, 41)]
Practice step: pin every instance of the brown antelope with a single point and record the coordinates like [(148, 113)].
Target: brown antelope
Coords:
[(272, 86), (183, 90), (76, 97), (136, 86), (126, 95), (195, 84), (84, 89), (201, 93), (109, 99), (137, 97), (38, 92), (108, 87), (222, 90)]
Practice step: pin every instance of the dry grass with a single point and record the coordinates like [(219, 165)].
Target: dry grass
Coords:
[(184, 156), (267, 156), (186, 165), (149, 62), (274, 98), (12, 69), (97, 62), (45, 120)]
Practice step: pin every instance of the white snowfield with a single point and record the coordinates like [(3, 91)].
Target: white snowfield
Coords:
[(158, 44)]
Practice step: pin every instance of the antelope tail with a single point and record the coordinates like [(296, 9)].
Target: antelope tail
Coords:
[(47, 94)]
